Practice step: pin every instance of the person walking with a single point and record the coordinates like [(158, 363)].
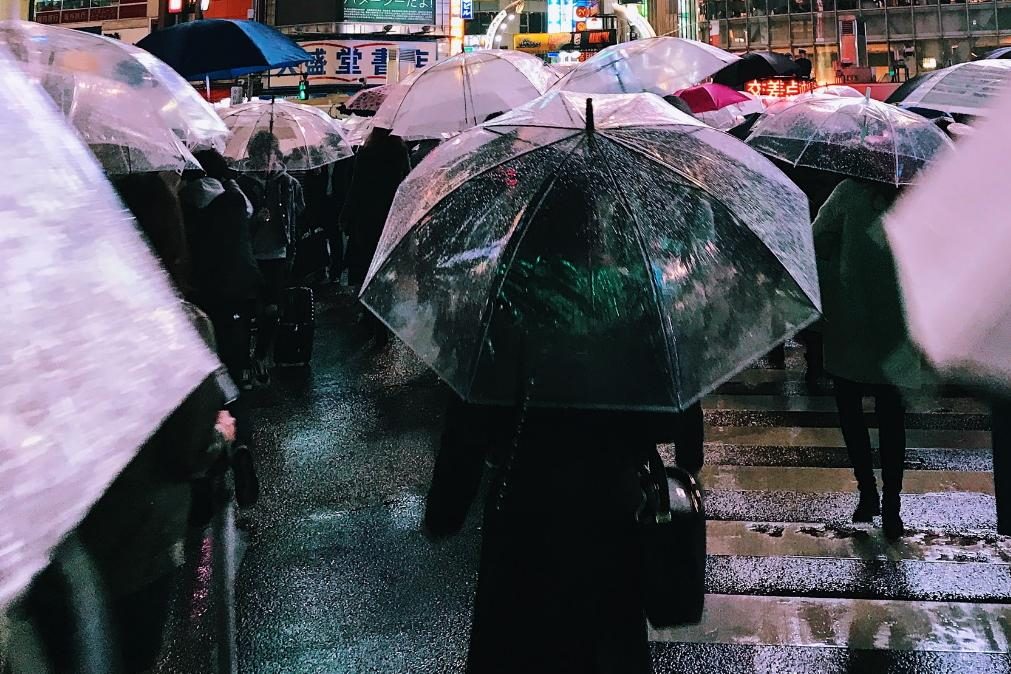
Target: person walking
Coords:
[(867, 349), (380, 166), (277, 202)]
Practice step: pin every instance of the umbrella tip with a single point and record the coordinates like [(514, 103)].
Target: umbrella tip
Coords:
[(589, 115), (867, 95)]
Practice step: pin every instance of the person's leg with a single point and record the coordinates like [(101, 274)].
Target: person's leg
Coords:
[(813, 354), (1000, 420), (269, 318), (777, 357), (849, 401), (140, 619), (690, 440), (891, 413)]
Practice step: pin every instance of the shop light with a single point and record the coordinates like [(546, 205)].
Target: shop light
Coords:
[(175, 6), (205, 5)]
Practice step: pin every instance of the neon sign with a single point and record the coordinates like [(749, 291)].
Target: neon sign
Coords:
[(779, 87)]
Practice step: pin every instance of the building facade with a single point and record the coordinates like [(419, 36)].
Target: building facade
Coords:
[(128, 20), (860, 40)]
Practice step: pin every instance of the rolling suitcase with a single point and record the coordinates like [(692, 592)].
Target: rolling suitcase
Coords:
[(297, 328)]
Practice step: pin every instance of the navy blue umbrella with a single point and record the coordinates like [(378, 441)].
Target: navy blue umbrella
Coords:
[(223, 48)]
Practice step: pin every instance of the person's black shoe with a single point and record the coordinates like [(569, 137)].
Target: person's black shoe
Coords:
[(868, 507), (891, 520)]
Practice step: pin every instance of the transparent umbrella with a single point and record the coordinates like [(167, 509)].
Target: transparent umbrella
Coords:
[(964, 88), (632, 258), (355, 129), (307, 137), (367, 101), (97, 349), (854, 136), (459, 92), (657, 65), (134, 112)]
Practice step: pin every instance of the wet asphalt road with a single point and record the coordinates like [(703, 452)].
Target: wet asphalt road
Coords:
[(337, 577)]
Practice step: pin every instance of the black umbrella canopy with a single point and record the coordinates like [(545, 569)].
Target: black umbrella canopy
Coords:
[(628, 255), (756, 65)]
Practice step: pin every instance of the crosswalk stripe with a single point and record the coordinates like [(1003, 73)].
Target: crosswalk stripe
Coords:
[(832, 437), (803, 479), (848, 623), (806, 539), (979, 459), (772, 403)]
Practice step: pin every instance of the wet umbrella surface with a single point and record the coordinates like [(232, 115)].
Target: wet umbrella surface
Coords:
[(853, 136), (634, 261), (966, 88), (308, 137)]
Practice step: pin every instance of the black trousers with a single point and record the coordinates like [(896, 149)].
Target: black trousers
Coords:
[(891, 413), (689, 439), (275, 278)]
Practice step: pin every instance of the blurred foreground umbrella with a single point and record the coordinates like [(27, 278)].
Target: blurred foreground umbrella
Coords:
[(129, 119), (134, 77), (223, 48), (964, 88), (366, 102), (950, 237), (462, 91), (355, 129), (633, 258), (999, 53), (96, 350), (754, 66), (656, 65), (857, 137), (720, 106), (308, 137)]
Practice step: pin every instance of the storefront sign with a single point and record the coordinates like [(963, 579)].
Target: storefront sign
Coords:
[(595, 39), (561, 16), (52, 12), (779, 87), (467, 9), (349, 61), (390, 11), (540, 43)]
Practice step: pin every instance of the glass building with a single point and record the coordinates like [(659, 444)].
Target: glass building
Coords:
[(861, 40)]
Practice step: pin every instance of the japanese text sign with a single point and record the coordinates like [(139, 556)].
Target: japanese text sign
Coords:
[(350, 61)]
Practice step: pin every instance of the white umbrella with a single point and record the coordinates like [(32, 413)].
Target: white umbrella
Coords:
[(135, 112), (950, 236), (965, 88), (731, 115), (656, 65), (307, 137), (97, 351), (462, 91)]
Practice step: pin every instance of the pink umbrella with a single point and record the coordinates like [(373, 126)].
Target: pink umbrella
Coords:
[(710, 96)]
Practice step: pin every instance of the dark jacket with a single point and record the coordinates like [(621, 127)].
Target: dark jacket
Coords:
[(559, 582), (380, 167), (277, 202), (217, 230)]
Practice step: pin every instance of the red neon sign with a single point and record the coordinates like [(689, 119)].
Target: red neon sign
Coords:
[(779, 87)]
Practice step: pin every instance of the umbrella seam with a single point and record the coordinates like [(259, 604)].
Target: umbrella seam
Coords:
[(673, 362)]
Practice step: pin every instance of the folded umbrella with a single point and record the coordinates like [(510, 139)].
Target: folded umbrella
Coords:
[(132, 120), (657, 65), (857, 137), (223, 48), (719, 106), (307, 137), (97, 349), (460, 92), (950, 238), (964, 88), (626, 254)]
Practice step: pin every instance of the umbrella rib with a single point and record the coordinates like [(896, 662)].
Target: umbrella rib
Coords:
[(814, 133), (895, 146), (673, 362), (489, 310)]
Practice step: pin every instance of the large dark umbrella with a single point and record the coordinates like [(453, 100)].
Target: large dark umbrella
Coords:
[(756, 65), (223, 48), (633, 258)]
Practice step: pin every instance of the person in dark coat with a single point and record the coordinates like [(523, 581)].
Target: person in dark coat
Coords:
[(804, 64), (277, 202), (867, 346), (559, 586), (380, 166)]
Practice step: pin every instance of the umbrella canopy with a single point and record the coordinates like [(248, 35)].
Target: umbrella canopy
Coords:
[(854, 136), (97, 349), (754, 66), (355, 129), (710, 96), (148, 81), (1001, 53), (843, 90), (307, 137), (632, 258), (367, 101), (223, 48), (733, 115), (965, 88), (950, 238), (657, 65), (131, 119), (460, 92)]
